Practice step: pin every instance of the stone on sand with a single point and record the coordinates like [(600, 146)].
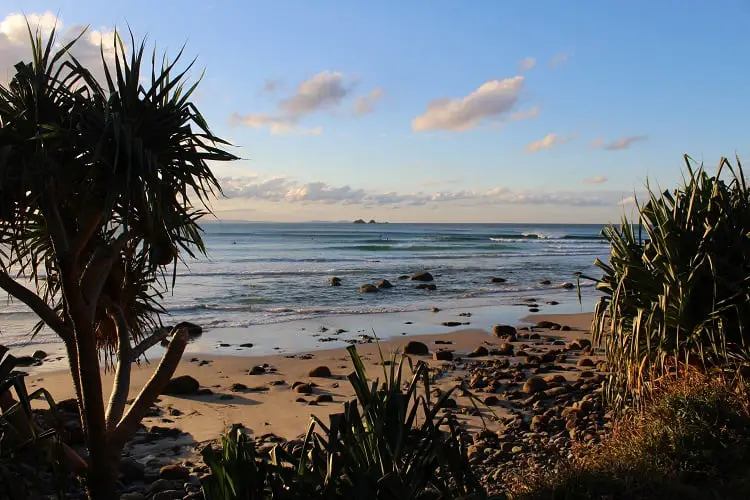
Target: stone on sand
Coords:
[(503, 330), (182, 385), (417, 348), (320, 371)]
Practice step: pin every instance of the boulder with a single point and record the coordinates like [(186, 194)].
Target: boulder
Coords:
[(546, 324), (497, 280), (545, 282), (182, 385), (403, 277), (131, 470), (505, 349), (503, 330), (451, 323), (479, 351), (422, 277), (567, 286), (580, 344), (384, 284), (238, 387), (434, 309), (426, 286), (491, 400), (324, 398), (368, 288), (303, 388), (585, 362), (320, 371), (39, 355), (174, 472), (565, 328), (334, 281), (257, 370), (442, 356), (534, 385), (417, 348), (193, 330)]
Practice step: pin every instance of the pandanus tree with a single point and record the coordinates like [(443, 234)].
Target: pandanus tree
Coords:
[(102, 185)]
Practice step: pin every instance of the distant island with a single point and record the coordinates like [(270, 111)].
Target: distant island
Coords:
[(362, 221)]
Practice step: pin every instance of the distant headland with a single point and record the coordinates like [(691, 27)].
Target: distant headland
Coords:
[(372, 221)]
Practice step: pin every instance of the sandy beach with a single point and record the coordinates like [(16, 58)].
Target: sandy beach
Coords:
[(266, 403)]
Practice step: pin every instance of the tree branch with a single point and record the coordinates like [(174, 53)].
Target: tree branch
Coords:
[(121, 384), (85, 234), (153, 388), (57, 230), (37, 305), (150, 341), (98, 269)]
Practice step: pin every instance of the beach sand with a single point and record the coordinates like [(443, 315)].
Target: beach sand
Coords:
[(269, 406)]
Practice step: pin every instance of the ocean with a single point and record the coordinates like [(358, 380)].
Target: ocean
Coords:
[(270, 273)]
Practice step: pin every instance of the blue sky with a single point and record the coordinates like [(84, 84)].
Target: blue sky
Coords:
[(447, 111)]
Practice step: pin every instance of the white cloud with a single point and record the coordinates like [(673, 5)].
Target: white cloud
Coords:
[(599, 179), (548, 142), (492, 100), (15, 47), (325, 90), (559, 59), (526, 63), (623, 143), (366, 104), (282, 189)]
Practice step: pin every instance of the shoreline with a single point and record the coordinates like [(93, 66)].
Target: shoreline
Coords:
[(267, 403)]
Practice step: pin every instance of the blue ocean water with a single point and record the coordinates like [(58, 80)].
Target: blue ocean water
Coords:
[(262, 273)]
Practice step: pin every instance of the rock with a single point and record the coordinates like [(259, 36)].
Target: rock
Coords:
[(39, 355), (193, 330), (553, 392), (417, 348), (368, 288), (555, 327), (434, 309), (174, 471), (303, 388), (585, 362), (163, 485), (169, 495), (538, 423), (334, 281), (552, 302), (580, 344), (503, 330), (497, 280), (505, 349), (131, 470), (533, 309), (451, 323), (491, 400), (247, 345), (403, 277), (553, 380), (182, 385), (426, 286), (567, 286), (546, 324), (422, 277), (545, 282), (384, 284), (443, 356), (132, 496), (257, 370), (479, 351), (586, 374), (565, 328), (320, 371), (534, 385), (237, 387), (324, 398)]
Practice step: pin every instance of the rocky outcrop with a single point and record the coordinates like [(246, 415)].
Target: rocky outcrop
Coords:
[(334, 281), (368, 288), (426, 286), (384, 284), (425, 276)]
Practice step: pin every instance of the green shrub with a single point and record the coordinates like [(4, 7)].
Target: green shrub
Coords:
[(690, 441), (677, 284), (391, 442)]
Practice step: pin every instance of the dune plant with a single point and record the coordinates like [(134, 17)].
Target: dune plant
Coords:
[(676, 289), (102, 185)]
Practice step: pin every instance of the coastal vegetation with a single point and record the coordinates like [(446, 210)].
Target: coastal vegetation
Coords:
[(102, 185)]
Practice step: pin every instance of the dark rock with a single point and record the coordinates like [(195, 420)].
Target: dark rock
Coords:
[(450, 342), (334, 281), (497, 280), (403, 277), (422, 277), (368, 288), (534, 385), (586, 362), (546, 324), (164, 485), (174, 472), (479, 351), (491, 400), (39, 355), (417, 348), (567, 286), (426, 286), (579, 344), (237, 387), (503, 330), (247, 346), (434, 309), (505, 350), (552, 302), (545, 282), (176, 494), (324, 398), (320, 371), (443, 356), (303, 389), (533, 309), (192, 329), (131, 470), (565, 328), (182, 385), (451, 323), (384, 284), (257, 370)]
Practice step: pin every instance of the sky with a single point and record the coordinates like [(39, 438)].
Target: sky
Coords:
[(441, 111)]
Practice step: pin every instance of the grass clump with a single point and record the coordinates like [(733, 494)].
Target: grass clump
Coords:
[(676, 288), (691, 441)]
